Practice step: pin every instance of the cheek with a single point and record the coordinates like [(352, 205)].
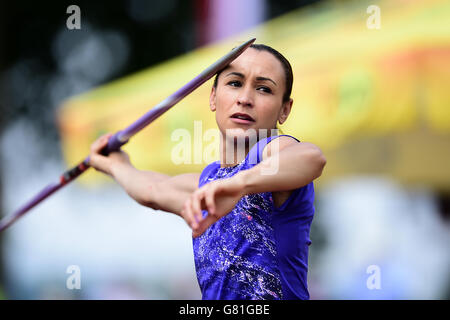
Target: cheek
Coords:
[(226, 97), (224, 101), (268, 112), (222, 106)]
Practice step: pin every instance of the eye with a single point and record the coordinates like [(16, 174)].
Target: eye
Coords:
[(264, 89), (234, 83)]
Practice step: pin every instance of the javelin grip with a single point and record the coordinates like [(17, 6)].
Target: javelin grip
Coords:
[(114, 144), (122, 137)]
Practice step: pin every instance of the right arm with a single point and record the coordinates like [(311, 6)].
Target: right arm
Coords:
[(151, 189)]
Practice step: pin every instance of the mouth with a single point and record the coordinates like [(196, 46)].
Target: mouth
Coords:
[(242, 118)]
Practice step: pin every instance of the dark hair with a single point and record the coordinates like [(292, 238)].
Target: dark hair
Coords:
[(284, 62)]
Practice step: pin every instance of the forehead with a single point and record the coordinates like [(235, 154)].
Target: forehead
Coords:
[(258, 63)]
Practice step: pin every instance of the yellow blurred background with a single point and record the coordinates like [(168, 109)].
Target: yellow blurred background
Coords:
[(375, 100)]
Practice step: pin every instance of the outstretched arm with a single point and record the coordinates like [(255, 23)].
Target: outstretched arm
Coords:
[(287, 167), (151, 189)]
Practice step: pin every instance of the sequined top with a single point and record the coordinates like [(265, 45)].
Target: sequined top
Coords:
[(257, 251)]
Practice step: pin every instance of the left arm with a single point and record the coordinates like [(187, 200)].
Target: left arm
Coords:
[(292, 166), (285, 166)]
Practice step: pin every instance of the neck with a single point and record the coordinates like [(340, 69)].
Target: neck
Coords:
[(233, 150)]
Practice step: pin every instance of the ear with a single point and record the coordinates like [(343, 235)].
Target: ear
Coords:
[(212, 99), (285, 111)]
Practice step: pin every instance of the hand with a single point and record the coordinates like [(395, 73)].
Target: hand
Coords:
[(218, 198), (105, 163)]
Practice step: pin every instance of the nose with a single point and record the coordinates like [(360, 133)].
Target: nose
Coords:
[(245, 97)]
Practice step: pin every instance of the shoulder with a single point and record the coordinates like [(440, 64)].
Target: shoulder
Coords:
[(278, 143), (281, 142)]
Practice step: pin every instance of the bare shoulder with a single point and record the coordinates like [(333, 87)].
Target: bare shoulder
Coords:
[(280, 143), (273, 147)]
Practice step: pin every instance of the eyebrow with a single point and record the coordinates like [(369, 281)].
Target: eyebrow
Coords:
[(240, 75)]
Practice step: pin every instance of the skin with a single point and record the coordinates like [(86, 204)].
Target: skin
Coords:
[(253, 84)]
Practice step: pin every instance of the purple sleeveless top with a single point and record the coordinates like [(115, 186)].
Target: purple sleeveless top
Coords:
[(256, 251)]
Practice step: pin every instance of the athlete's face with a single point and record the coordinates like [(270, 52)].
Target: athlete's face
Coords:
[(253, 85)]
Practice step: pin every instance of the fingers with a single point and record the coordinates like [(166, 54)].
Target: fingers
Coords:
[(188, 214), (209, 201), (203, 225), (100, 143), (96, 160), (192, 210), (205, 222), (197, 198)]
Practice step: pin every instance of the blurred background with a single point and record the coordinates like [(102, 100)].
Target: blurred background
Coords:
[(370, 88)]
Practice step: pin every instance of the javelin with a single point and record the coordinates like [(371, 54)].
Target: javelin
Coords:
[(123, 136)]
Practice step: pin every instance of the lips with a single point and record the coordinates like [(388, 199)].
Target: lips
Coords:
[(242, 116)]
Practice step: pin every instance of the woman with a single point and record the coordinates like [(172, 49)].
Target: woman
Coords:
[(250, 222)]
